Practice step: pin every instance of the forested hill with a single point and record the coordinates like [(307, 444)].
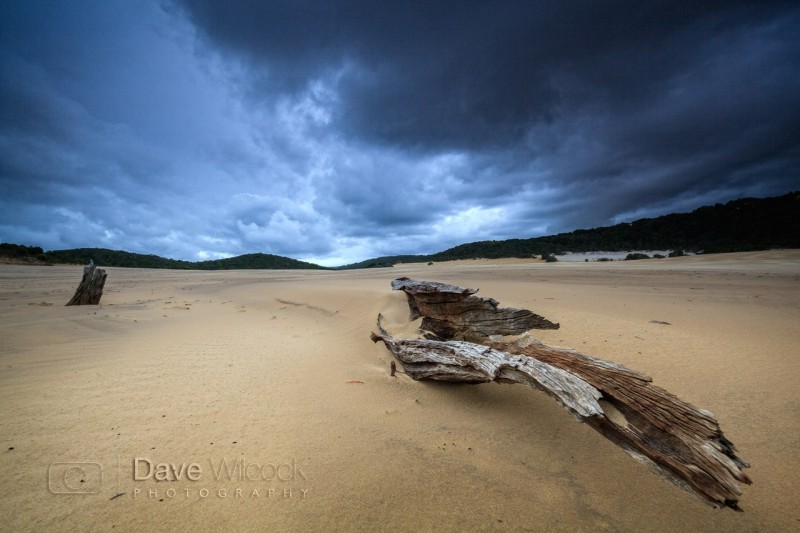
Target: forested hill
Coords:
[(118, 258), (739, 225), (115, 258)]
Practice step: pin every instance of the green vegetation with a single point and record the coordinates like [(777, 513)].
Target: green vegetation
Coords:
[(741, 225), (255, 261), (387, 261), (738, 226), (23, 254), (117, 258)]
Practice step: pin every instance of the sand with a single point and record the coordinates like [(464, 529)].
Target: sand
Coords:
[(272, 373)]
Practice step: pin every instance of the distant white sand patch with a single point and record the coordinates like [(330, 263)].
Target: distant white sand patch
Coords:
[(616, 256)]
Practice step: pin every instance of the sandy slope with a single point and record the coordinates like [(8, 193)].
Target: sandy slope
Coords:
[(201, 367)]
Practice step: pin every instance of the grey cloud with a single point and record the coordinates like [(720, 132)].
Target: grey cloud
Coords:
[(636, 102), (468, 75), (334, 131)]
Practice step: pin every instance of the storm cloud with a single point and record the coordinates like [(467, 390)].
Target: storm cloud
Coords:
[(337, 131)]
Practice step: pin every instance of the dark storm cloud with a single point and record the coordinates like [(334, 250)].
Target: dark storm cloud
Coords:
[(621, 105), (336, 131), (74, 170), (479, 74)]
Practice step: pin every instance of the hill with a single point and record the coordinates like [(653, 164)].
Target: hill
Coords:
[(23, 255), (20, 254), (256, 261), (118, 258), (740, 225)]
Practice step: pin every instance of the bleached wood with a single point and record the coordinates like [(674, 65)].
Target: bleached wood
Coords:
[(447, 310), (676, 440)]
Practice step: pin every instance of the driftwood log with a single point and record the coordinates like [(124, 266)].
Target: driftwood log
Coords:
[(90, 289), (448, 311), (672, 438)]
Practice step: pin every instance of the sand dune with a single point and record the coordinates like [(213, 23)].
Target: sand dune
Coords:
[(271, 374)]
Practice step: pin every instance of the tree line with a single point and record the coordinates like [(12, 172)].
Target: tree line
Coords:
[(740, 225)]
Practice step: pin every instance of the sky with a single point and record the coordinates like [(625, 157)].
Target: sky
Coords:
[(337, 131)]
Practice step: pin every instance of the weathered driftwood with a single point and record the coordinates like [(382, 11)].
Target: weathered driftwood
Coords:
[(467, 362), (90, 289), (674, 439), (448, 310)]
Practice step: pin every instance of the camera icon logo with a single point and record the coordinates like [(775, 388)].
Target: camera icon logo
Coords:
[(75, 478)]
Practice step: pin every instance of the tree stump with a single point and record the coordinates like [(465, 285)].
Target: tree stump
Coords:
[(674, 439), (90, 289)]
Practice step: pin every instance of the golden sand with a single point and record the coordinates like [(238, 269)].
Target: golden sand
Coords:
[(272, 376)]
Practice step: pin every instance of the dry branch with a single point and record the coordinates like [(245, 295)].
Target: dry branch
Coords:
[(674, 439)]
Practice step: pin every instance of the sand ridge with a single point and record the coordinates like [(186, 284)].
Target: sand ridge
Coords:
[(272, 375)]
